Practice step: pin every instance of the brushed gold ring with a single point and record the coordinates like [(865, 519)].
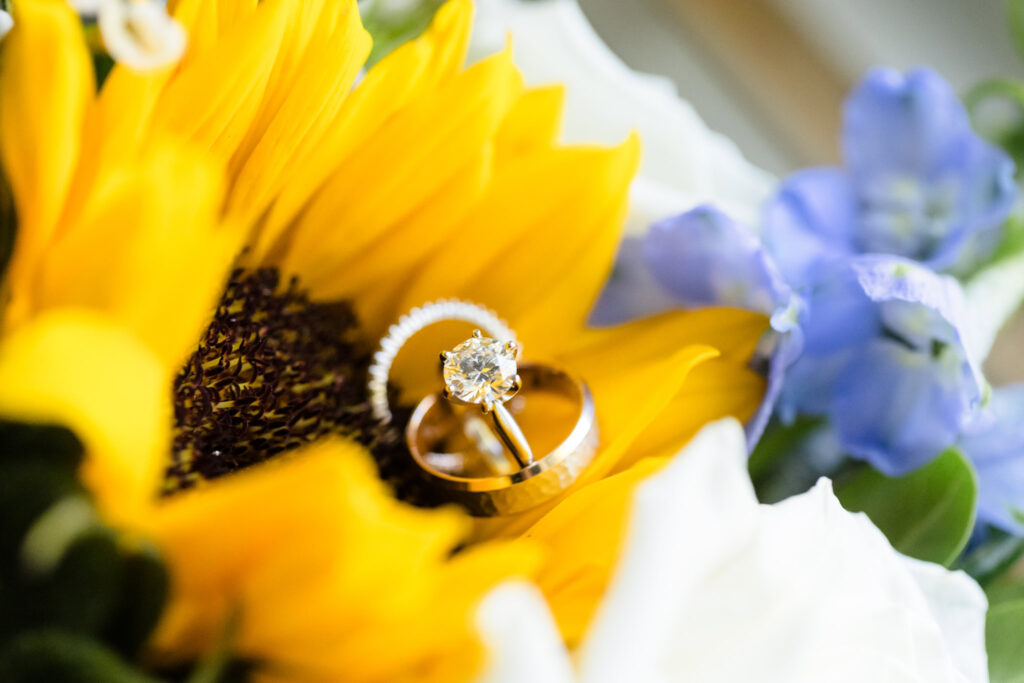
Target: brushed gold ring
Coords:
[(440, 443)]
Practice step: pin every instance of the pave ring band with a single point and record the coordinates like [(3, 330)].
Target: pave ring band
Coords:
[(435, 434)]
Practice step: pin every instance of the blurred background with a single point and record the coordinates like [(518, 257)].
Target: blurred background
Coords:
[(772, 74)]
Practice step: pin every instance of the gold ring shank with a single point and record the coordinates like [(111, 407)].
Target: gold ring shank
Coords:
[(537, 482), (512, 436)]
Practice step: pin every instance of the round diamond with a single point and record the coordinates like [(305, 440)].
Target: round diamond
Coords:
[(480, 369)]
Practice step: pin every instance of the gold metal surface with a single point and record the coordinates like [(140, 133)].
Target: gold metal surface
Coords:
[(434, 431)]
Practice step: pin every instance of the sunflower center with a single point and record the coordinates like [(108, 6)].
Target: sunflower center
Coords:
[(272, 372)]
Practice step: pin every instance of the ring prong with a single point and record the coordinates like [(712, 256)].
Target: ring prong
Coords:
[(478, 334), (513, 347), (517, 384), (445, 355), (487, 407)]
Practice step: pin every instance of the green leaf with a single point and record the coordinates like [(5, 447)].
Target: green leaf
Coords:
[(927, 514), (390, 28), (990, 561), (1015, 10), (143, 594), (79, 594), (777, 441), (58, 657), (1004, 638), (1003, 592)]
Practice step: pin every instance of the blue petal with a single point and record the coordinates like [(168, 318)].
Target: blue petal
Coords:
[(997, 451), (631, 292), (926, 184), (910, 123), (988, 192), (704, 258), (938, 310), (886, 357), (839, 315), (836, 318), (897, 407), (811, 220), (810, 384)]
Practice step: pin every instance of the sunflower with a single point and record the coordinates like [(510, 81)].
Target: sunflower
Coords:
[(205, 255)]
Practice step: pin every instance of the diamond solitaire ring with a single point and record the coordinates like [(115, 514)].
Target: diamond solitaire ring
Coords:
[(458, 453), (482, 371)]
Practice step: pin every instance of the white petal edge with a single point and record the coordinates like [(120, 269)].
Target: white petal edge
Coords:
[(714, 587), (140, 34), (636, 624), (521, 636)]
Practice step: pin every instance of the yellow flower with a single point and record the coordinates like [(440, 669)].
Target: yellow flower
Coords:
[(425, 180), (332, 581)]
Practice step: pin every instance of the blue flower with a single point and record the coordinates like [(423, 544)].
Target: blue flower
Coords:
[(704, 258), (996, 448), (917, 183), (886, 358), (632, 291), (699, 259)]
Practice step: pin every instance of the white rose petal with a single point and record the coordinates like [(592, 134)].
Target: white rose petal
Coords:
[(515, 619), (714, 587), (140, 34), (6, 23), (684, 162), (86, 7)]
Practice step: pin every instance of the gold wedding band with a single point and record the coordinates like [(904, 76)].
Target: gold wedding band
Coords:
[(435, 435)]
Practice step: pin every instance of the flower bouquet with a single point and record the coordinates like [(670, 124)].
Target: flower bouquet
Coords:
[(691, 422)]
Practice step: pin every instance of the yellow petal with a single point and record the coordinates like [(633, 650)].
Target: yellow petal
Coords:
[(206, 21), (582, 540), (539, 245), (533, 123), (46, 83), (215, 96), (719, 388), (734, 332), (655, 382), (78, 369), (302, 103), (377, 278), (449, 31), (412, 157), (325, 571), (716, 385), (404, 76), (149, 250), (117, 128), (627, 398)]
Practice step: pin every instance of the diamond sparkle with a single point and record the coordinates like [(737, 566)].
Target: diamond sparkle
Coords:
[(480, 370)]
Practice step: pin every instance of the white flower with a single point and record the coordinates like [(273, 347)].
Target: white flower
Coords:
[(6, 23), (714, 587), (86, 7), (684, 162), (139, 33)]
